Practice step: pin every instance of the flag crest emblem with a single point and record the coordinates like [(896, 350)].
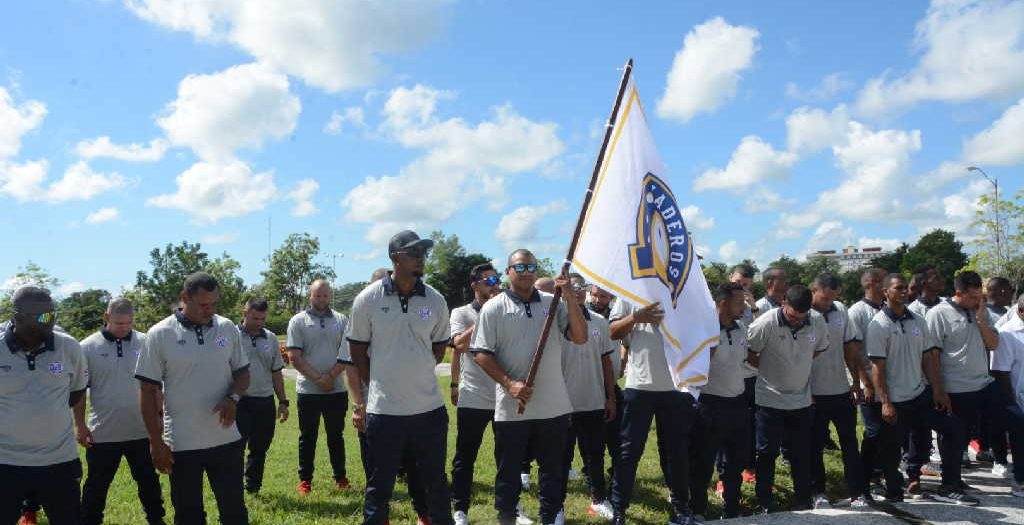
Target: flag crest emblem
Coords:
[(662, 249)]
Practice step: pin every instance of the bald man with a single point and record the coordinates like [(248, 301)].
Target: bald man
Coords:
[(315, 336)]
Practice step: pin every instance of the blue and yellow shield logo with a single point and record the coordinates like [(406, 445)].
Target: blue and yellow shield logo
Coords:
[(662, 250)]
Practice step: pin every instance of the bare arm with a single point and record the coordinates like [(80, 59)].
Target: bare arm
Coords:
[(300, 364), (989, 335), (854, 358), (624, 354), (361, 358), (577, 323), (753, 358), (150, 403), (282, 406), (609, 388), (882, 391), (82, 433), (439, 350), (460, 343), (933, 371)]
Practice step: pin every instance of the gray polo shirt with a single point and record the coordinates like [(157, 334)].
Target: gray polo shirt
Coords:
[(726, 373), (765, 305), (901, 342), (36, 428), (921, 308), (647, 368), (476, 388), (114, 413), (319, 339), (861, 313), (509, 328), (400, 332), (195, 365), (616, 355), (829, 376), (964, 357), (581, 364), (264, 359), (786, 355)]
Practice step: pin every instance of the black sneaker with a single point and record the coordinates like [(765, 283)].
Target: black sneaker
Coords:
[(618, 519), (895, 497), (955, 496)]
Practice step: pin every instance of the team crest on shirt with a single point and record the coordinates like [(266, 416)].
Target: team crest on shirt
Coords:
[(811, 338), (596, 332), (426, 314), (221, 340), (662, 250), (917, 331), (56, 367), (266, 347)]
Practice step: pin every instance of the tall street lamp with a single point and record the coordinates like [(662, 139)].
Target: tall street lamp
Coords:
[(995, 186)]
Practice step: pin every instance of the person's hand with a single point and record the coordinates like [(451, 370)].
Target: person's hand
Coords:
[(869, 394), (609, 410), (563, 282), (359, 417), (942, 403), (226, 408), (455, 395), (748, 297), (325, 382), (652, 313), (520, 392), (162, 457), (856, 393), (889, 413), (981, 313), (282, 412), (83, 435)]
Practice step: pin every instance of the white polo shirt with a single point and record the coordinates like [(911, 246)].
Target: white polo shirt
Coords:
[(114, 413)]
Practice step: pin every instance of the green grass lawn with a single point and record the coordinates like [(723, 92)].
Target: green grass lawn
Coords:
[(279, 503)]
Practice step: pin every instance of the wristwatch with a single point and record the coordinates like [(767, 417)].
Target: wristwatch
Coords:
[(234, 397)]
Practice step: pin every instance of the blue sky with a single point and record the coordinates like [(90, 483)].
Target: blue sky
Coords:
[(787, 128)]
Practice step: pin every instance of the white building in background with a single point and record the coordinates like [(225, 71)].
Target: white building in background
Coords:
[(853, 259)]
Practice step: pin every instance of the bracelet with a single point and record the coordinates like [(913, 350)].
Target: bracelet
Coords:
[(284, 402)]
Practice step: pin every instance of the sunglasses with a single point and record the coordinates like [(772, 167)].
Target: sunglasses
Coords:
[(522, 267), (43, 318), (490, 280), (579, 287)]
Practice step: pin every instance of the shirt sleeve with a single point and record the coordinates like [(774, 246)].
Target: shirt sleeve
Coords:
[(360, 327), (849, 332), (823, 339), (239, 359), (276, 361), (344, 350), (1005, 355), (606, 340), (757, 336), (936, 329), (442, 331), (459, 321), (485, 335), (294, 337), (79, 368), (150, 366), (876, 342)]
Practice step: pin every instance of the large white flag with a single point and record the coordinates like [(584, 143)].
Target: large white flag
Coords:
[(634, 243)]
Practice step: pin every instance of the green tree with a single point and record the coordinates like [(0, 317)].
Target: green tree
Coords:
[(345, 295), (793, 268), (448, 268), (291, 271), (892, 262), (715, 273), (938, 247), (815, 266), (852, 290), (232, 286), (1005, 258), (81, 313), (30, 274)]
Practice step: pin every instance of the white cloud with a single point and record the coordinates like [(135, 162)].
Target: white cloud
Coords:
[(102, 215), (459, 159), (761, 200), (829, 235), (830, 85), (222, 238), (521, 227), (302, 197), (209, 192), (69, 288), (330, 44), (696, 219), (753, 161), (23, 181), (1002, 143), (17, 120), (102, 147), (366, 256), (877, 242), (352, 115), (812, 130), (707, 69), (239, 107), (729, 252), (81, 183), (968, 51)]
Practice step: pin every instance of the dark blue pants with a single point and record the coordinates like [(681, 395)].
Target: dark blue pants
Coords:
[(103, 460), (332, 408), (54, 487), (613, 441), (586, 429), (470, 425), (408, 469), (256, 418), (771, 424), (223, 468), (839, 411), (871, 462), (389, 440), (920, 411), (986, 404), (674, 413), (1014, 424), (514, 441), (720, 430)]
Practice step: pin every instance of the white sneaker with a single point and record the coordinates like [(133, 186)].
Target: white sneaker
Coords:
[(560, 518), (521, 517), (461, 518), (525, 480), (573, 474), (602, 509), (821, 502), (1001, 471), (1017, 489)]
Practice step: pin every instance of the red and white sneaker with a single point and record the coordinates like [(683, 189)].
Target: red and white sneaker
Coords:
[(28, 518), (602, 509), (720, 488), (343, 484), (305, 487), (423, 520)]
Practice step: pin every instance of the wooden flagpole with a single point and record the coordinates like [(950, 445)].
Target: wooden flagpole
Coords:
[(556, 300)]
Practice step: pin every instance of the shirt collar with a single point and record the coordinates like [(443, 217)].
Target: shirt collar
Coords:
[(476, 305), (607, 311), (730, 327), (534, 296), (312, 312), (586, 311), (242, 330), (14, 346), (111, 337), (872, 304), (785, 322), (389, 286), (187, 323), (772, 302), (926, 303), (906, 314), (966, 313)]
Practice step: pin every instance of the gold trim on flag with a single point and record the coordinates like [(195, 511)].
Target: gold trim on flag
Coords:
[(680, 366)]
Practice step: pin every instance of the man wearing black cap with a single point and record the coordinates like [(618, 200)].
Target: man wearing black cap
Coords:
[(42, 374), (399, 333)]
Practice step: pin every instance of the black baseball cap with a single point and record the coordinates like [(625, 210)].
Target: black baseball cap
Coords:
[(408, 241)]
